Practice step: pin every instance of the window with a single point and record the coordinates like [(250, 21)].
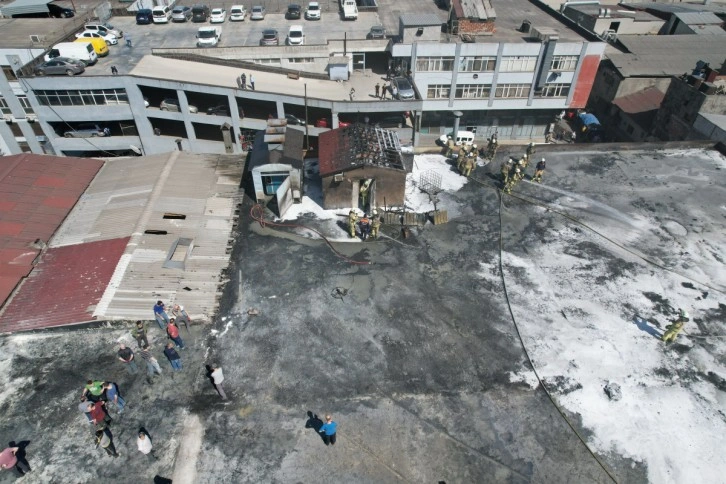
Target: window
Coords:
[(438, 91), (9, 73), (4, 108), (555, 90), (267, 61), (473, 91), (512, 90), (301, 60), (26, 104), (477, 64), (88, 97), (272, 182), (518, 63), (564, 63), (434, 64)]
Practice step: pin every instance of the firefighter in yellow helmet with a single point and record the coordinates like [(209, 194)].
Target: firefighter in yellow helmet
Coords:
[(352, 221), (506, 170), (469, 164), (375, 224), (675, 327), (450, 144)]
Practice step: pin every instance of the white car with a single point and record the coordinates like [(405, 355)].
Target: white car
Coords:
[(104, 29), (218, 16), (258, 13), (313, 11), (110, 39), (237, 13), (295, 36)]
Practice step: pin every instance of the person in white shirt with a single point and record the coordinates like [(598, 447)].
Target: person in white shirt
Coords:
[(145, 446), (218, 378)]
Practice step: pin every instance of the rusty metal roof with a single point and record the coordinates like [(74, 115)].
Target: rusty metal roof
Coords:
[(64, 287), (357, 145), (36, 194)]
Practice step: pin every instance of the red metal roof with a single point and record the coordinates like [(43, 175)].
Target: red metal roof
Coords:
[(648, 100), (36, 194), (330, 152), (65, 286)]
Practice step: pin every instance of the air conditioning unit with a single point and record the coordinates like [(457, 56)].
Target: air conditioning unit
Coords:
[(37, 39), (544, 34), (31, 118)]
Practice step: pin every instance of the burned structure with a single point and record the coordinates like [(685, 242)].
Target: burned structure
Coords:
[(362, 166)]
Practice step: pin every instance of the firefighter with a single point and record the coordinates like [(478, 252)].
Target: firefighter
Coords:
[(530, 149), (525, 158), (516, 176), (352, 221), (375, 224), (492, 147), (469, 164), (675, 327), (506, 170), (521, 167), (449, 147), (364, 193), (539, 171)]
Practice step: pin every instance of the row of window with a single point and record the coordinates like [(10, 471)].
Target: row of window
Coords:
[(5, 109), (83, 97), (291, 60), (517, 63), (502, 91)]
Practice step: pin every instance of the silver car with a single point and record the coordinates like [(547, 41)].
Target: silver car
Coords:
[(181, 14), (402, 88), (172, 104), (60, 66), (257, 13), (87, 130)]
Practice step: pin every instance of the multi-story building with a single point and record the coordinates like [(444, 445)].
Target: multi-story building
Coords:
[(513, 77)]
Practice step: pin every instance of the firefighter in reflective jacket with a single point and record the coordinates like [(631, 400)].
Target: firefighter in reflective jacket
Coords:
[(530, 149), (506, 170), (352, 221), (675, 327), (450, 147), (375, 224)]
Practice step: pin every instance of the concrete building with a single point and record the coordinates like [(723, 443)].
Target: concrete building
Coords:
[(507, 80), (606, 21)]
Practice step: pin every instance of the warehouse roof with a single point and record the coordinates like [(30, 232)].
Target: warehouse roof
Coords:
[(662, 56)]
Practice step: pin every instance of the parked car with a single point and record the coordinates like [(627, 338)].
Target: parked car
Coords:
[(237, 13), (390, 120), (181, 14), (87, 130), (220, 110), (161, 14), (313, 11), (293, 12), (258, 13), (60, 66), (104, 29), (269, 37), (60, 12), (172, 104), (110, 39), (292, 119), (377, 32), (200, 13), (144, 16), (403, 87), (296, 36), (218, 16)]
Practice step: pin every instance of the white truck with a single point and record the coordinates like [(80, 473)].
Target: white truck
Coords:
[(209, 36), (350, 9)]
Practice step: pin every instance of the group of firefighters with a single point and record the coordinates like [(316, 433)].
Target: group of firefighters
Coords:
[(369, 227), (466, 158), (512, 173)]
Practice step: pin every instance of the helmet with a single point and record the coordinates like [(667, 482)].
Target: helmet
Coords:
[(448, 137), (531, 144), (543, 159), (375, 212), (510, 161), (520, 162), (524, 157), (474, 146), (517, 170), (683, 314)]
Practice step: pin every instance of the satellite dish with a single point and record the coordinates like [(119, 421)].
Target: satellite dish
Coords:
[(136, 150)]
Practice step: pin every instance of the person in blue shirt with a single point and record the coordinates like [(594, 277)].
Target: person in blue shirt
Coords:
[(162, 318), (328, 430)]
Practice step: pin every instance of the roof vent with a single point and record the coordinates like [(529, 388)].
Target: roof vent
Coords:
[(37, 39)]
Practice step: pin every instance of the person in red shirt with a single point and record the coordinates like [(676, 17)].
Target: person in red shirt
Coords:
[(98, 415), (173, 331), (8, 459)]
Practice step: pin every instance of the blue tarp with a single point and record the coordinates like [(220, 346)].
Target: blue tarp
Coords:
[(588, 119)]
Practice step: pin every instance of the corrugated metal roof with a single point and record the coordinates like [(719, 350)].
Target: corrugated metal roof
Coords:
[(420, 20), (662, 56), (25, 6), (64, 287), (707, 29), (130, 196), (36, 193), (474, 9), (355, 146), (698, 18)]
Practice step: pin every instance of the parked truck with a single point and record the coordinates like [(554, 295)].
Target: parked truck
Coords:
[(75, 50), (209, 36), (350, 9)]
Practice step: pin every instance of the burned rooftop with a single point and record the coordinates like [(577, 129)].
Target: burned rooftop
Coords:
[(359, 145)]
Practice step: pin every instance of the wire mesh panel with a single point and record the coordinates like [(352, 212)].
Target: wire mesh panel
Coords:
[(430, 182)]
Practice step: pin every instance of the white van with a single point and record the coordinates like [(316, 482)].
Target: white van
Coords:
[(161, 14), (76, 50), (462, 138)]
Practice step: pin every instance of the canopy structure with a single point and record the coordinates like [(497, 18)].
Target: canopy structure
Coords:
[(25, 6)]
